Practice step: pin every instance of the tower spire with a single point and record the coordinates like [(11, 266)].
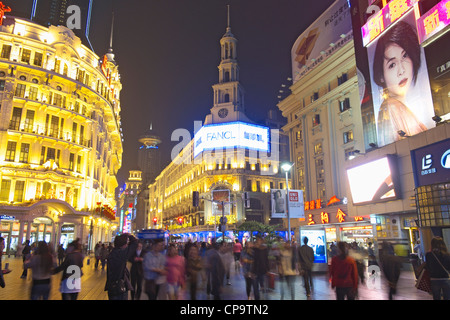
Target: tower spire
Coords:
[(112, 33), (228, 17)]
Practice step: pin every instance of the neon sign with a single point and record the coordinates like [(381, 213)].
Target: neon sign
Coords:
[(433, 21), (3, 10), (381, 20)]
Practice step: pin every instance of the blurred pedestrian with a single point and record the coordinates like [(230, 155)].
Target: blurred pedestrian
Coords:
[(176, 272), (2, 272), (41, 263), (226, 255), (247, 266), (438, 266), (104, 253), (117, 276), (137, 271), (155, 272), (97, 253), (61, 254), (194, 266), (72, 272), (237, 249), (306, 260), (344, 274), (215, 271), (288, 268), (391, 266), (26, 254), (260, 266)]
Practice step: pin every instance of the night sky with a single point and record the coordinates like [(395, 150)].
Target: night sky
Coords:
[(168, 52)]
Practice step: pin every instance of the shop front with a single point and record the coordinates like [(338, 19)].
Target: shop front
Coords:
[(67, 235), (9, 230)]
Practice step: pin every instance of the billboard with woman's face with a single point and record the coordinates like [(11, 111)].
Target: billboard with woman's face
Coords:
[(401, 93)]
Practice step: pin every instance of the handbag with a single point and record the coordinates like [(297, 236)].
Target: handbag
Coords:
[(117, 287), (423, 281)]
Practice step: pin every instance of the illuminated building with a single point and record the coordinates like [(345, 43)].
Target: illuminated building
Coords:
[(225, 166), (340, 161), (60, 140)]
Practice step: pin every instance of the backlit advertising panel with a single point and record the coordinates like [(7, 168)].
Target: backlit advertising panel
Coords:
[(317, 241), (295, 203), (401, 93), (232, 134), (375, 181), (326, 35), (221, 202), (431, 164)]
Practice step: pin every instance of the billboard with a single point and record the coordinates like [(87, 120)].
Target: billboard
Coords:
[(331, 31), (375, 181), (431, 164), (219, 196), (401, 92), (232, 134), (317, 241), (296, 203)]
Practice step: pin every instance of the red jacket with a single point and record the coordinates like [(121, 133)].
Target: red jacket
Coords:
[(344, 273)]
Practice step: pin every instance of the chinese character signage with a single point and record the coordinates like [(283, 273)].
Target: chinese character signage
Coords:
[(434, 20)]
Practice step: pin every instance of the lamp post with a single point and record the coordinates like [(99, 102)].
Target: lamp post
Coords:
[(286, 167)]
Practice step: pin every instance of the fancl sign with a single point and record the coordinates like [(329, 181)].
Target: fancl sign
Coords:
[(230, 135)]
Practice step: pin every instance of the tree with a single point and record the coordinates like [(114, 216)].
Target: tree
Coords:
[(266, 231)]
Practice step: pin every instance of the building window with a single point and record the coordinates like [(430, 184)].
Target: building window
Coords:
[(315, 96), (6, 187), (79, 164), (318, 148), (298, 135), (11, 151), (71, 161), (342, 78), (57, 65), (57, 100), (24, 152), (348, 136), (26, 56), (54, 127), (6, 51), (320, 171), (316, 120), (51, 154), (33, 93), (348, 153), (37, 59), (42, 155), (19, 190), (29, 121), (2, 85), (344, 105), (20, 90), (15, 119)]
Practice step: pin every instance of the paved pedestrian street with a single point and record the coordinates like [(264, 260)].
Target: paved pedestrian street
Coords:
[(93, 282)]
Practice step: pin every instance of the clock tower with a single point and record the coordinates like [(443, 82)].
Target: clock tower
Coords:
[(228, 93)]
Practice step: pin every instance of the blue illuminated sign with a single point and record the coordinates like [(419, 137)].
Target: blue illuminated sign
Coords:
[(233, 134)]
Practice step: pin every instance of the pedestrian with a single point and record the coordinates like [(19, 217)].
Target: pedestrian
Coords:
[(344, 274), (6, 271), (260, 265), (72, 271), (247, 266), (237, 249), (104, 253), (26, 254), (306, 260), (41, 263), (137, 271), (438, 266), (117, 275), (372, 260), (215, 271), (194, 266), (391, 266), (226, 255), (288, 268), (97, 253), (61, 254), (155, 272), (418, 250), (176, 272)]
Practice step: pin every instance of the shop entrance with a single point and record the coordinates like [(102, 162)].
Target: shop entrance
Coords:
[(41, 230)]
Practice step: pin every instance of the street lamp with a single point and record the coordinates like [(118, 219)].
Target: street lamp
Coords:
[(286, 167)]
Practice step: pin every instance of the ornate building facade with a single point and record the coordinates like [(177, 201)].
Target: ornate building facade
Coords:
[(60, 139)]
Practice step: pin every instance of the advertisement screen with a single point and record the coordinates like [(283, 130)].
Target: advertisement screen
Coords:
[(232, 134), (375, 181), (401, 92), (219, 196), (317, 241)]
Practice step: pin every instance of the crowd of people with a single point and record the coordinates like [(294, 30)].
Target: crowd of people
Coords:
[(160, 270)]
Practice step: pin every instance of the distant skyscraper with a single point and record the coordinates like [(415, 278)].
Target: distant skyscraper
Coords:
[(54, 12), (149, 156)]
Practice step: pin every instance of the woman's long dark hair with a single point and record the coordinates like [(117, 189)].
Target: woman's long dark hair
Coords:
[(403, 35), (43, 251)]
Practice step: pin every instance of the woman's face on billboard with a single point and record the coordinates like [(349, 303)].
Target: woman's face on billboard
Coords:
[(397, 70)]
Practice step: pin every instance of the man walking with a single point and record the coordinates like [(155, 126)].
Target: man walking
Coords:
[(306, 257)]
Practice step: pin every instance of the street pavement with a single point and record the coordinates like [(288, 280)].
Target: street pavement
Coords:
[(93, 282)]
